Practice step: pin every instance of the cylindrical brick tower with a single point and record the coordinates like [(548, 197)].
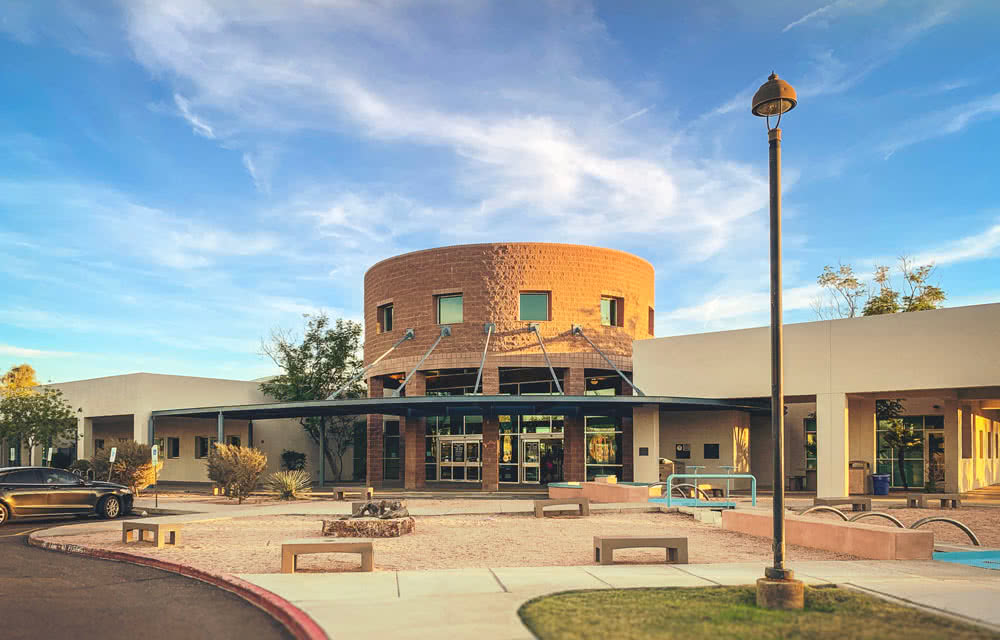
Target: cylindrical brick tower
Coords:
[(503, 292)]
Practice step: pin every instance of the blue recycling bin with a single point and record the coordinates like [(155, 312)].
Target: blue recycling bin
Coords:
[(880, 484)]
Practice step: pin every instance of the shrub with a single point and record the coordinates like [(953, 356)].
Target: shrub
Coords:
[(236, 469), (293, 460), (80, 467), (289, 484), (133, 465)]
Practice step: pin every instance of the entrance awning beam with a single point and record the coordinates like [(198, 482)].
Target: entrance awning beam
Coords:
[(445, 331), (578, 331), (548, 362), (407, 335), (489, 327)]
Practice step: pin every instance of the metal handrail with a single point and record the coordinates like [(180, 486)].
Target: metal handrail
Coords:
[(869, 514), (823, 507), (967, 530), (720, 476)]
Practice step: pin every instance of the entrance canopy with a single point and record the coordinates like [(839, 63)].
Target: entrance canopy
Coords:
[(421, 406)]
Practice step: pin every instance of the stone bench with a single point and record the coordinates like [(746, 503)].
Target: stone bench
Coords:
[(582, 503), (857, 504), (134, 531), (715, 492), (365, 492), (920, 501), (604, 547), (292, 549)]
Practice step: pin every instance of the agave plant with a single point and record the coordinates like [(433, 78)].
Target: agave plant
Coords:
[(289, 485)]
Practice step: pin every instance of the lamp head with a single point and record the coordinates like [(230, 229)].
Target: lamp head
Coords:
[(774, 98)]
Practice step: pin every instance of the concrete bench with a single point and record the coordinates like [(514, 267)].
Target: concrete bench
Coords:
[(582, 503), (134, 531), (857, 504), (604, 547), (365, 492), (920, 501), (715, 492), (292, 549)]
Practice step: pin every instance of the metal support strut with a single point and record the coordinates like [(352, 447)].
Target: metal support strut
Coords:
[(578, 331), (489, 327), (545, 353), (407, 335), (445, 331)]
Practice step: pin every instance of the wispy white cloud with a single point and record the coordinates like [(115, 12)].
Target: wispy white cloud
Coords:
[(977, 246), (198, 125), (829, 12), (24, 352), (943, 122), (632, 116)]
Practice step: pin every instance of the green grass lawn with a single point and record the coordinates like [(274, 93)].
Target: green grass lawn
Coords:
[(716, 613)]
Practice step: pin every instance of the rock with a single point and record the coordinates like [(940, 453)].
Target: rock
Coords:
[(355, 527), (379, 509)]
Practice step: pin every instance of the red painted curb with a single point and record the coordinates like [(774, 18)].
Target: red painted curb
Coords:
[(291, 617)]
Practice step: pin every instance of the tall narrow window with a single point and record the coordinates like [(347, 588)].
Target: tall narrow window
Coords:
[(611, 311), (449, 309), (173, 447), (652, 323), (384, 318), (534, 307)]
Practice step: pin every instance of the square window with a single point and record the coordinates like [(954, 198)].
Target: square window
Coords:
[(233, 441), (534, 307), (98, 443), (449, 309), (173, 447), (711, 452), (384, 320), (610, 312), (203, 445)]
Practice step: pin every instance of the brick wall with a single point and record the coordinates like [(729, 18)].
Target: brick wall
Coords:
[(491, 453), (573, 450), (375, 437)]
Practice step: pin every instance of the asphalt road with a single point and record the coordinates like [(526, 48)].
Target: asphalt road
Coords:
[(47, 594)]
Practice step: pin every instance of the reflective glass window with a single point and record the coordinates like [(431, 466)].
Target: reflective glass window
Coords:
[(534, 307), (450, 309)]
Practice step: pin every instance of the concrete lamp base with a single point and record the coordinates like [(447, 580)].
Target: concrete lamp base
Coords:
[(780, 594)]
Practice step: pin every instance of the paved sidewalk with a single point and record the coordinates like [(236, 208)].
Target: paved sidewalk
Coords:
[(483, 603)]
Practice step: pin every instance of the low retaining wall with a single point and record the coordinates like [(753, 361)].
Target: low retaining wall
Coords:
[(854, 538), (603, 491)]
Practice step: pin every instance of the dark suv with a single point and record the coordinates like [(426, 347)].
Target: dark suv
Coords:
[(27, 492)]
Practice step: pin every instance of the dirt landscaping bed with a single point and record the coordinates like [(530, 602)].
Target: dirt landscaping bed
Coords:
[(252, 544)]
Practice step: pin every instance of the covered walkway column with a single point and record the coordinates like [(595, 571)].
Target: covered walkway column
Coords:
[(414, 430), (574, 441), (646, 443), (832, 435), (373, 463), (85, 441), (952, 445), (491, 453), (861, 443)]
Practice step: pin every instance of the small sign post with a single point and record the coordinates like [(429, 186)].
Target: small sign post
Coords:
[(50, 458), (111, 461), (156, 489), (13, 455)]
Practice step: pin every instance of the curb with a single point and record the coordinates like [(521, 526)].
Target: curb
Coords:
[(296, 621)]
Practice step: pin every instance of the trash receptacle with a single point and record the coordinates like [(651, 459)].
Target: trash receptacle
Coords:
[(858, 477), (880, 484)]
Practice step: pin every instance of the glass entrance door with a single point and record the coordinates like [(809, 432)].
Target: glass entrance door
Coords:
[(551, 450), (530, 461), (460, 460)]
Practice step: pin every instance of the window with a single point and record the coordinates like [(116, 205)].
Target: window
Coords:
[(534, 307), (384, 320), (25, 476), (604, 447), (711, 452), (886, 460), (58, 476), (611, 311), (449, 309), (233, 441), (173, 447), (810, 426), (202, 446), (390, 449), (98, 443), (652, 323)]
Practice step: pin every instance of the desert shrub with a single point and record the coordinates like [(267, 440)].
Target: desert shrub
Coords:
[(289, 485), (236, 469), (293, 460), (133, 465)]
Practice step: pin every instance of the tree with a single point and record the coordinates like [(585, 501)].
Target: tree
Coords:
[(844, 291), (326, 359), (19, 379), (37, 418), (897, 436)]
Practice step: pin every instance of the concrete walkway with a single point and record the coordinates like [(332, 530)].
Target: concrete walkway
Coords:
[(483, 603)]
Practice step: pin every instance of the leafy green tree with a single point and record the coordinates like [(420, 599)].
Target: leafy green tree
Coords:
[(898, 436), (844, 291), (313, 368), (37, 418)]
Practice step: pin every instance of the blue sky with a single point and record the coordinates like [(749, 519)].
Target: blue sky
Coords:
[(178, 178)]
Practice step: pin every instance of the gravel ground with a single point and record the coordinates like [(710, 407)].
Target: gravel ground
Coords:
[(984, 522), (252, 545)]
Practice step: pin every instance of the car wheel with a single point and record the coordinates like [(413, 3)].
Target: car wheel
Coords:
[(4, 514), (111, 507)]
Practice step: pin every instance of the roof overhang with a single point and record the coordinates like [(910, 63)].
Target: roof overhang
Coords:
[(422, 406)]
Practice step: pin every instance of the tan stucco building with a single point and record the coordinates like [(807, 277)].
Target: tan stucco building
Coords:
[(119, 407), (944, 365)]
